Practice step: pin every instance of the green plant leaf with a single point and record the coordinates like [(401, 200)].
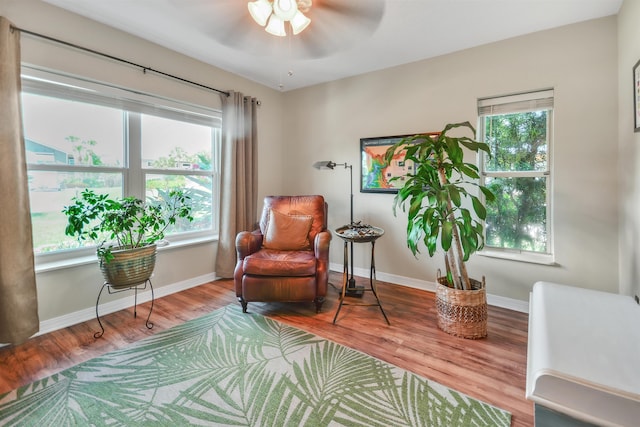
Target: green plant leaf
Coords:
[(479, 208), (454, 193), (470, 171), (475, 146), (431, 242), (454, 151), (447, 235), (414, 234), (488, 194)]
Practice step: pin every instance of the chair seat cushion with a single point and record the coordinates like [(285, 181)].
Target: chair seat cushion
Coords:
[(268, 262)]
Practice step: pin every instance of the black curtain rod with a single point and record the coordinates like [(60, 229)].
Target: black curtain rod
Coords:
[(115, 58)]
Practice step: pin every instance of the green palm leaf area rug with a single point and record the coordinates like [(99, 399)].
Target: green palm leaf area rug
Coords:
[(234, 369)]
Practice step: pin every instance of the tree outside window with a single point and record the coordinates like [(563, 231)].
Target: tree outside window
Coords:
[(518, 130)]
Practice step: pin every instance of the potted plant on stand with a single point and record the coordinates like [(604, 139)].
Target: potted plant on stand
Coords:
[(435, 193), (126, 229)]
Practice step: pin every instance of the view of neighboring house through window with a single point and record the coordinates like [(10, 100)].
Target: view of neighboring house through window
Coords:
[(178, 155), (518, 130), (79, 137)]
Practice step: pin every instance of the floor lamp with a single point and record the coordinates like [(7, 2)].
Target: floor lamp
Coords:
[(352, 289)]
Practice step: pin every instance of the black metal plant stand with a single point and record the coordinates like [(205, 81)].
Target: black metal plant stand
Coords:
[(113, 290)]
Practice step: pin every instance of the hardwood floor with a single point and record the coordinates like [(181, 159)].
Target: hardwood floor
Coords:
[(490, 369)]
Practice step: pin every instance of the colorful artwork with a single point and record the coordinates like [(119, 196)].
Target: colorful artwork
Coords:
[(376, 173)]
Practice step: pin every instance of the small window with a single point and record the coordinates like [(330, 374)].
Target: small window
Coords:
[(518, 129)]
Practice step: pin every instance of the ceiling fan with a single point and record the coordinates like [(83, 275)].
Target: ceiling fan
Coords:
[(335, 25)]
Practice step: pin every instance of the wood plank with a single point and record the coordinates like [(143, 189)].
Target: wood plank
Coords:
[(492, 369)]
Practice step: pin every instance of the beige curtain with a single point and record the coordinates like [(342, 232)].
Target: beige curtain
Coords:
[(18, 299), (239, 177)]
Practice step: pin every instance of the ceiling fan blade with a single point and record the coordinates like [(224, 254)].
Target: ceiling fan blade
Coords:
[(335, 26), (228, 22), (369, 10)]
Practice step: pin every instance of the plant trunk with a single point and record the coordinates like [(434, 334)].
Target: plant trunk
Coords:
[(459, 269), (462, 268), (449, 260)]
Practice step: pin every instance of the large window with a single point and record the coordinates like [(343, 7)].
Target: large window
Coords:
[(81, 135), (518, 129)]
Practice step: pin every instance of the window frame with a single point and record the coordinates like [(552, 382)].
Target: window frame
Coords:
[(513, 104), (133, 105)]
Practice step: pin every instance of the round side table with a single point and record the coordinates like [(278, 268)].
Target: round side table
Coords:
[(357, 233)]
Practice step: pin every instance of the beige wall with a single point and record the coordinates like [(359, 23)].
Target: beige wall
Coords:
[(61, 292), (629, 171), (579, 61)]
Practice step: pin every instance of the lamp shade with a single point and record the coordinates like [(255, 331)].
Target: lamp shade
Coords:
[(324, 164), (260, 11)]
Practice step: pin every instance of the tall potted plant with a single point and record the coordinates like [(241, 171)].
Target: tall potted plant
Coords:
[(435, 193), (126, 230)]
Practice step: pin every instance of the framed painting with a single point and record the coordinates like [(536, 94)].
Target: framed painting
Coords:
[(376, 174), (636, 97)]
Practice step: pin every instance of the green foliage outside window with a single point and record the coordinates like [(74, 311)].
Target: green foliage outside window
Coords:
[(515, 174), (178, 156)]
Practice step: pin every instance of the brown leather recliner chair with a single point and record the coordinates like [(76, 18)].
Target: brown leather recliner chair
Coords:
[(287, 258)]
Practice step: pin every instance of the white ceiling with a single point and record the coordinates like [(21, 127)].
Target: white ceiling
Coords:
[(345, 38)]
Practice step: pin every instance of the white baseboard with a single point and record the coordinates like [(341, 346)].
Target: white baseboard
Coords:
[(80, 316), (495, 300)]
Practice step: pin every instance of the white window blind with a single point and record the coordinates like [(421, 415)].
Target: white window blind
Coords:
[(529, 101)]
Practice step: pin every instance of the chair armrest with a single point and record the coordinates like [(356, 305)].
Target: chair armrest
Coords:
[(321, 250), (248, 243), (321, 245)]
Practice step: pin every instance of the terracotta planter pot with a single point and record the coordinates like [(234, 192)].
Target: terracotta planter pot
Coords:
[(462, 313), (129, 267)]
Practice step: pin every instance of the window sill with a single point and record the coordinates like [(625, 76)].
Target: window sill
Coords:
[(44, 267), (532, 258)]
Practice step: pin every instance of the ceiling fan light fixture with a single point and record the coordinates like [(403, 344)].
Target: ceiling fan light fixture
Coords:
[(272, 14), (299, 22), (260, 10), (275, 26), (285, 9)]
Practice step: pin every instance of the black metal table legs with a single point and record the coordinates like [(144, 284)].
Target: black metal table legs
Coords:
[(113, 290), (372, 283)]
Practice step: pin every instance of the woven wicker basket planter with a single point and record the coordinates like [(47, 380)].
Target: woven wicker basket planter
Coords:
[(129, 267), (462, 313)]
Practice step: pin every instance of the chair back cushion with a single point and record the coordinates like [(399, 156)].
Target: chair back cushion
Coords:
[(291, 215), (287, 232)]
